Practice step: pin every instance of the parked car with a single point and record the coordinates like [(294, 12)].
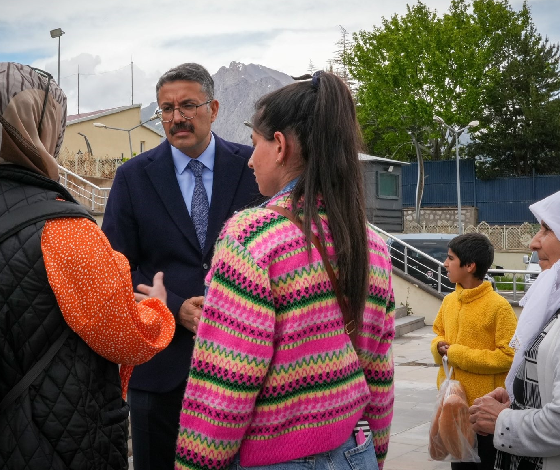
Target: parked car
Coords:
[(531, 264), (419, 266)]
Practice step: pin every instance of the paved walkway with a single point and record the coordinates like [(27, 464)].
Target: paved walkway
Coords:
[(415, 394)]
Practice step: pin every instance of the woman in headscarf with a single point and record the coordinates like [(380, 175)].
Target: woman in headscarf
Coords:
[(525, 417), (68, 314)]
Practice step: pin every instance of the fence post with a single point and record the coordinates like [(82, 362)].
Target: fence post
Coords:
[(103, 200), (406, 260), (93, 198)]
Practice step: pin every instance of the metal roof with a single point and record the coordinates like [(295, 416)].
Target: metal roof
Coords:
[(76, 118), (94, 115)]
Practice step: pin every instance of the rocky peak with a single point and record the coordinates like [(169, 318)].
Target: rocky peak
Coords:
[(237, 88)]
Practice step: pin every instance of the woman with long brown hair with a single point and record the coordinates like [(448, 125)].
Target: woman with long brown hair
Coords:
[(294, 344)]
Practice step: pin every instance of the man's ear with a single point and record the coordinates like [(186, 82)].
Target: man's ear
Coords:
[(471, 267), (214, 107)]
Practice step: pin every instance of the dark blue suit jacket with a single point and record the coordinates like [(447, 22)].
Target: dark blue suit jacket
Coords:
[(147, 220)]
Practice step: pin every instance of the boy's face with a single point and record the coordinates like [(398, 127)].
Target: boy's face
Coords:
[(456, 273)]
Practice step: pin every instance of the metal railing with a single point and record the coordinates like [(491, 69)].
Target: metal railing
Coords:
[(518, 282), (84, 191), (409, 248), (518, 275)]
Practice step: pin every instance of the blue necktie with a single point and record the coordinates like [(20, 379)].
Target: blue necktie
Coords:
[(199, 204)]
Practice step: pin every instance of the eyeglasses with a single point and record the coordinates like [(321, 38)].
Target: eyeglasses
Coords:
[(187, 111), (49, 77)]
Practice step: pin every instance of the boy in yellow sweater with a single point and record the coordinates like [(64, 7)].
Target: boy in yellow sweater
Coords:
[(474, 326)]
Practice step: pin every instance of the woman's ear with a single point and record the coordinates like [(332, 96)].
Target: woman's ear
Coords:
[(281, 147)]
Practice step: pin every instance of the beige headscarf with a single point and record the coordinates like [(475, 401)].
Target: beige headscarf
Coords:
[(22, 95)]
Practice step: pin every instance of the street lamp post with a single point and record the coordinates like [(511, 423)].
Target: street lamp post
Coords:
[(103, 126), (56, 33), (457, 133), (89, 149)]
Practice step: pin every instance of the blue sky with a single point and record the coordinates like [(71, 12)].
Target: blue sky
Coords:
[(102, 37)]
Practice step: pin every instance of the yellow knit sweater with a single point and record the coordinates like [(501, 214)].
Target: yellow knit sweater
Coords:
[(478, 324)]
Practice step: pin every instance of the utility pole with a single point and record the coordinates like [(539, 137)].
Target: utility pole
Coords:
[(78, 89), (132, 80)]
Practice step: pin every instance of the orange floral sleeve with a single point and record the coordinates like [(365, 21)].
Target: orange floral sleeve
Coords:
[(93, 288)]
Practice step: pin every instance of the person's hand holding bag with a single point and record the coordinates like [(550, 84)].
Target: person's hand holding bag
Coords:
[(451, 434)]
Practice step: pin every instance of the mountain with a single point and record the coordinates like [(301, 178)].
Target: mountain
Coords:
[(147, 112), (237, 88)]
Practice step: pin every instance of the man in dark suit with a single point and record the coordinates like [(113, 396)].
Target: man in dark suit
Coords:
[(164, 213)]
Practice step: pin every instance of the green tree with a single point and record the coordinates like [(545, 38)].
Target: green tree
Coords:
[(311, 67), (339, 65), (521, 121), (420, 64)]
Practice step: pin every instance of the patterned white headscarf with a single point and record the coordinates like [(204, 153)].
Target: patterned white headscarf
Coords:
[(542, 300)]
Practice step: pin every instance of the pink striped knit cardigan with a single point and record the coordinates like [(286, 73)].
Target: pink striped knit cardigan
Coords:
[(273, 375)]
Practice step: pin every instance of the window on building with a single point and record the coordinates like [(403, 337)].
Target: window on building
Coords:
[(142, 146), (387, 185)]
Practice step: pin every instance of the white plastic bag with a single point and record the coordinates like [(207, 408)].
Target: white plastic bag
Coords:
[(451, 435)]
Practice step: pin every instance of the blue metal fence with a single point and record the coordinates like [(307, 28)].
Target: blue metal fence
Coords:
[(499, 201)]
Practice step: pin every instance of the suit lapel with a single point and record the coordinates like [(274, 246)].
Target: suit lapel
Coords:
[(228, 168), (161, 173)]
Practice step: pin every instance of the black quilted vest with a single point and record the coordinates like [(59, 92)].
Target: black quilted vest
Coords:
[(72, 416)]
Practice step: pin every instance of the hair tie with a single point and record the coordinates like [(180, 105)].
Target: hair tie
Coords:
[(316, 78)]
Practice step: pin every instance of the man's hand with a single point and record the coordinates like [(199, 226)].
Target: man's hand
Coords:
[(442, 348), (189, 313), (157, 290), (485, 410)]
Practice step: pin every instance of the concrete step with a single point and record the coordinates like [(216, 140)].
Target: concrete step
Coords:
[(401, 311), (408, 323)]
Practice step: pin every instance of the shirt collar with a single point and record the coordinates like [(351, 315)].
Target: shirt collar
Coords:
[(181, 160), (285, 190)]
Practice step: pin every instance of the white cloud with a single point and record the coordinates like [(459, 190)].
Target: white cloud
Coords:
[(102, 37)]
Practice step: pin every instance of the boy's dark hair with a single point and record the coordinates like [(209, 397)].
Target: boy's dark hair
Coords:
[(473, 248)]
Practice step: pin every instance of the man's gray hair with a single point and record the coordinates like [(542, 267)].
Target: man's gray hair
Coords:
[(190, 72)]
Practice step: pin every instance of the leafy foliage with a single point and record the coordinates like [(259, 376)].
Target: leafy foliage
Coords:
[(461, 66), (522, 116)]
